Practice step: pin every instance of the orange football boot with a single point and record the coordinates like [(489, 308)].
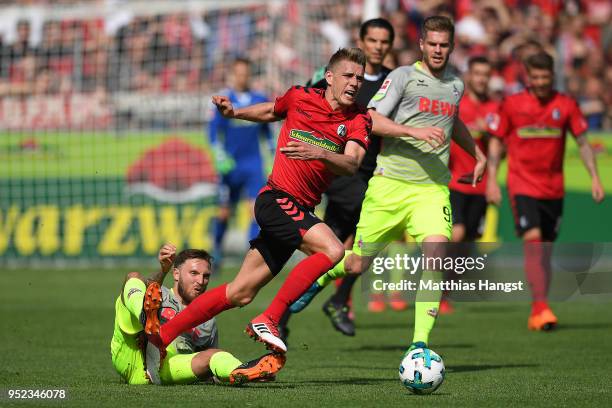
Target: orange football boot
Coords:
[(262, 369), (545, 320)]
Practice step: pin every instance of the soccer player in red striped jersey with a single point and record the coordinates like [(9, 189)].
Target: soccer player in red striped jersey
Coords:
[(533, 126), (468, 202), (324, 133)]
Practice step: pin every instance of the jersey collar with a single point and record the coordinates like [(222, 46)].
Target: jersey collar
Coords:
[(419, 66), (372, 77)]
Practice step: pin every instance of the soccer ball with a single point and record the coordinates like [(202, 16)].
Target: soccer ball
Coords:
[(421, 371)]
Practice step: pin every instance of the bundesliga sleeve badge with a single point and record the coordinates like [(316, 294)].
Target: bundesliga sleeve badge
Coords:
[(382, 91)]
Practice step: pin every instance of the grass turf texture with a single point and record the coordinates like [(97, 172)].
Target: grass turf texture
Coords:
[(57, 325)]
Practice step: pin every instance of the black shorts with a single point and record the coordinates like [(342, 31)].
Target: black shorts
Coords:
[(469, 210), (283, 222), (344, 198), (532, 212)]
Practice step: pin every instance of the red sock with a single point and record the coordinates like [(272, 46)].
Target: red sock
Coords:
[(536, 272), (200, 310), (547, 248), (298, 281), (538, 306)]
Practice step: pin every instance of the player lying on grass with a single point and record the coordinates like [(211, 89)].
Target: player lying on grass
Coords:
[(324, 134), (409, 190), (192, 356)]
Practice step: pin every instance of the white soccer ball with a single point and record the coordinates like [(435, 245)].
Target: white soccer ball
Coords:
[(421, 371)]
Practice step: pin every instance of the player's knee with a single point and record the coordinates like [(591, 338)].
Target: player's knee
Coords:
[(135, 275), (200, 365), (533, 234), (335, 252)]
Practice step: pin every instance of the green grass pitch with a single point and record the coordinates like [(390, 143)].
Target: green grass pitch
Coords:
[(56, 329)]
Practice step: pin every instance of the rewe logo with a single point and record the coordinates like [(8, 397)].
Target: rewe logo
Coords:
[(436, 107)]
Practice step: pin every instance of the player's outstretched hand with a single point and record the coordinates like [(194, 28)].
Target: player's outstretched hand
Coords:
[(302, 151), (224, 105), (597, 190), (493, 192), (166, 256), (479, 168), (434, 136)]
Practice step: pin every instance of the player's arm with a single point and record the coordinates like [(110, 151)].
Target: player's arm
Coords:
[(260, 112), (223, 162), (166, 258), (588, 158), (463, 138), (495, 153), (385, 127), (217, 123), (343, 164), (498, 130)]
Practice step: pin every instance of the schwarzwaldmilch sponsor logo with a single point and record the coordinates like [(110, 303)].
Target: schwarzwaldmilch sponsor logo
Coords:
[(308, 137)]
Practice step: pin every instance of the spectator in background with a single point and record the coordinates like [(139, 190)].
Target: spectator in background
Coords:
[(513, 73), (574, 47), (19, 62), (334, 28), (179, 52), (55, 54)]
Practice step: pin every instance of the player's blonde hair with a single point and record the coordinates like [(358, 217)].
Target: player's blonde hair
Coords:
[(355, 55)]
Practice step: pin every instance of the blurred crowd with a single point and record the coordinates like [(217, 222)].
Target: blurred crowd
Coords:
[(174, 52), (577, 33)]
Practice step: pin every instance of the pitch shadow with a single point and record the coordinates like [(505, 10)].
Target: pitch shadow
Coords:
[(379, 325), (350, 366), (349, 381), (584, 326), (402, 347)]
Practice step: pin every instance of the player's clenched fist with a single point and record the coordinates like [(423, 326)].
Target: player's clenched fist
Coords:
[(166, 256), (224, 105)]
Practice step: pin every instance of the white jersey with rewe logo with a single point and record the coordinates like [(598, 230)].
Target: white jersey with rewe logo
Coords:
[(413, 97)]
